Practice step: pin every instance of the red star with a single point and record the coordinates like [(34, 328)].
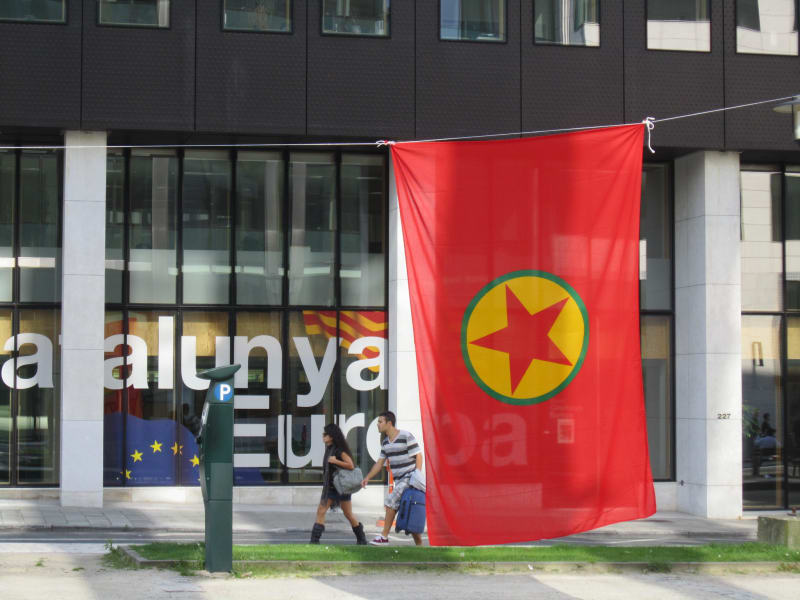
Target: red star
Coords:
[(526, 337)]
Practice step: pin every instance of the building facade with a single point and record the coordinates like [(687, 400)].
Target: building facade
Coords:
[(186, 184)]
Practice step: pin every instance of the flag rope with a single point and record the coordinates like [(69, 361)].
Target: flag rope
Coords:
[(648, 122)]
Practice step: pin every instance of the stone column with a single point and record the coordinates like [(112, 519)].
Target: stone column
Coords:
[(83, 318), (708, 335), (403, 382)]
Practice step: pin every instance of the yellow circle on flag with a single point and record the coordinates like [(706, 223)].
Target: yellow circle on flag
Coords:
[(524, 336)]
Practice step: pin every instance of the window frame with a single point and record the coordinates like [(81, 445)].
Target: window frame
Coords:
[(556, 44), (65, 21), (156, 27), (710, 33), (386, 36), (289, 31), (469, 41), (769, 54)]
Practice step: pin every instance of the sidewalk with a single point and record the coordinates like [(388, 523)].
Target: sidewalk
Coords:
[(663, 527)]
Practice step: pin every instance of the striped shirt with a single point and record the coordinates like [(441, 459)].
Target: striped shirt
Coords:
[(400, 452)]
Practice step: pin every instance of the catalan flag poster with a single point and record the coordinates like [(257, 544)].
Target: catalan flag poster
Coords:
[(352, 326), (523, 274)]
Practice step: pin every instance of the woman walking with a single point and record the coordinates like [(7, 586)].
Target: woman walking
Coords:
[(337, 456)]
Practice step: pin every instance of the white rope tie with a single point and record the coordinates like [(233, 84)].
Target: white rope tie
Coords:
[(649, 124)]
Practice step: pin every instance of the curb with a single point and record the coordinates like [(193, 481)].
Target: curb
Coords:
[(495, 566)]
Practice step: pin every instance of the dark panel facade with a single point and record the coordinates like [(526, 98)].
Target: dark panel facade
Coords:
[(247, 82), (466, 88), (362, 86), (573, 86), (40, 65), (754, 77), (663, 83), (139, 78)]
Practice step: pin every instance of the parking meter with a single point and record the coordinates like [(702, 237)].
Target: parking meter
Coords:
[(216, 467)]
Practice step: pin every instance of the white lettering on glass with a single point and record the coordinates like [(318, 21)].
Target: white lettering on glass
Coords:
[(318, 377), (241, 356), (355, 369), (42, 358)]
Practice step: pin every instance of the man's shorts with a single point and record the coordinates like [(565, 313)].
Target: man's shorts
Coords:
[(393, 497)]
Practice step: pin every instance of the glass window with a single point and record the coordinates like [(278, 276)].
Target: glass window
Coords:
[(356, 17), (655, 243), (313, 335), (762, 414), (792, 444), (139, 13), (679, 25), (39, 252), (7, 177), (476, 20), (762, 247), (257, 15), (657, 375), (361, 368), (312, 193), (115, 225), (34, 11), (258, 407), (113, 401), (6, 419), (38, 425), (206, 227), (792, 246), (259, 228), (766, 27), (153, 247), (566, 22), (363, 230)]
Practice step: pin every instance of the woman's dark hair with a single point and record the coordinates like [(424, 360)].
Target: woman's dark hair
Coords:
[(332, 430)]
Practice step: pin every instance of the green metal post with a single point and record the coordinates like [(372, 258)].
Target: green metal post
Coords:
[(216, 467)]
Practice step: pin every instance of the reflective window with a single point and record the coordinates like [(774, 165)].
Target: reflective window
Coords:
[(766, 27), (762, 411), (37, 423), (34, 11), (359, 366), (138, 13), (356, 17), (7, 196), (679, 25), (655, 244), (313, 334), (259, 404), (114, 399), (762, 239), (475, 20), (257, 15), (259, 227), (566, 22), (791, 184), (152, 231), (792, 440), (657, 374), (206, 227), (312, 193), (39, 244), (115, 225), (6, 419), (363, 230)]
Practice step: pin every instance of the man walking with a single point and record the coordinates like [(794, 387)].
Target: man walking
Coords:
[(402, 451)]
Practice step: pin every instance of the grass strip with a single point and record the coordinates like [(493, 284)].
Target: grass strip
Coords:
[(747, 552)]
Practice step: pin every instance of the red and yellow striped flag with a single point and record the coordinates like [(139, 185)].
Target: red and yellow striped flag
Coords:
[(352, 325)]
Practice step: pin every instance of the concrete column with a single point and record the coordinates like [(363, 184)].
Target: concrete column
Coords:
[(403, 381), (708, 335), (83, 319)]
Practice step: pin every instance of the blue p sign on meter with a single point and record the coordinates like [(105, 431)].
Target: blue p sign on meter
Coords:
[(223, 392)]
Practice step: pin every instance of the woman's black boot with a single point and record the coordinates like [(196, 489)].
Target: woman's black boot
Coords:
[(316, 533), (361, 539)]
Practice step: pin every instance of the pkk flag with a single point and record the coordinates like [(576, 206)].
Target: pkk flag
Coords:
[(523, 275)]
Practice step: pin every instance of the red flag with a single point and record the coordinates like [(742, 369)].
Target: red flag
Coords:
[(523, 276)]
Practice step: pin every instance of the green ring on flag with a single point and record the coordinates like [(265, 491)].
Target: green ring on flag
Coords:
[(578, 363)]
